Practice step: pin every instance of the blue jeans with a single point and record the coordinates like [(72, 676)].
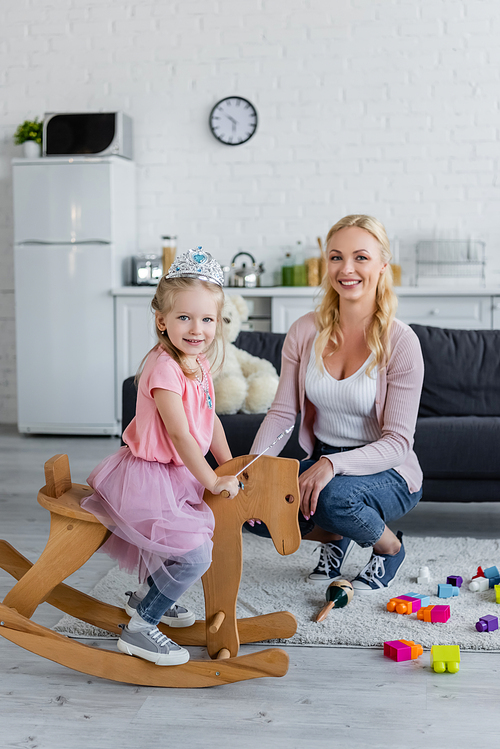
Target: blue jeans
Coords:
[(356, 507), (178, 579)]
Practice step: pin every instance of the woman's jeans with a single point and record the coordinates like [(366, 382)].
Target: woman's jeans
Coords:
[(356, 507)]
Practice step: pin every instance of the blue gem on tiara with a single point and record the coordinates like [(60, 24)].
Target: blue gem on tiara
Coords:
[(196, 263)]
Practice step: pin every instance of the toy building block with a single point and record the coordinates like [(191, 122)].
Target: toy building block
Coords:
[(447, 591), (404, 605), (493, 581), (491, 572), (479, 584), (402, 650), (424, 576), (434, 614), (445, 657), (455, 580), (497, 593), (425, 600), (487, 623), (479, 573)]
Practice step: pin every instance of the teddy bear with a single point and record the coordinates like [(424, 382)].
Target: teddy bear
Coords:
[(244, 382)]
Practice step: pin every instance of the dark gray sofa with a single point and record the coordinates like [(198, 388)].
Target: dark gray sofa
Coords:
[(457, 439)]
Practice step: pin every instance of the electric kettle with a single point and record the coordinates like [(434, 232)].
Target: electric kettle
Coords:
[(246, 275)]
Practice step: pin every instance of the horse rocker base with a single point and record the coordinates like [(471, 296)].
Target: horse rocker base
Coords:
[(76, 534)]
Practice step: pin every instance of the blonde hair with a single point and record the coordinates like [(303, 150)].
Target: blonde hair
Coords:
[(163, 301), (327, 312)]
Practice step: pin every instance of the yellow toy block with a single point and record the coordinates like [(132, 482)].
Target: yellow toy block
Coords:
[(497, 593), (445, 657)]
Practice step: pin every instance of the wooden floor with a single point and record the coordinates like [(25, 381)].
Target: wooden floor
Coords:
[(331, 697)]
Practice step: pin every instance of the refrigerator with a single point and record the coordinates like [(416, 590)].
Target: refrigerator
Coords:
[(74, 233)]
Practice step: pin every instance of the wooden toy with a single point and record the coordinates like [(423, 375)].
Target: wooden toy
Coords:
[(447, 591), (338, 594), (487, 623), (402, 650), (455, 580), (445, 657), (424, 575), (434, 614), (75, 535), (404, 605)]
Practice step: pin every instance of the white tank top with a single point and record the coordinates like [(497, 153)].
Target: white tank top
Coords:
[(345, 409)]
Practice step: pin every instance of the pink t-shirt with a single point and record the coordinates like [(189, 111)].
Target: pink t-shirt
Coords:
[(146, 434)]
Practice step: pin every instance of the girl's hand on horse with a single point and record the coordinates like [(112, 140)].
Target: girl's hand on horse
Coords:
[(229, 484), (311, 482)]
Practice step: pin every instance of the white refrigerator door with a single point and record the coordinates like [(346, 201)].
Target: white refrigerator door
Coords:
[(62, 202), (65, 349)]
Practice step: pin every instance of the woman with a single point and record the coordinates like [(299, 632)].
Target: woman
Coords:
[(355, 374)]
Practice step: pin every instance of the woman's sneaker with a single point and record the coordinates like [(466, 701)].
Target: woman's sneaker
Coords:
[(177, 616), (380, 571), (152, 645), (331, 560)]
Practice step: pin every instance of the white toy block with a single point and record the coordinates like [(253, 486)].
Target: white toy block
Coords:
[(424, 576), (479, 584)]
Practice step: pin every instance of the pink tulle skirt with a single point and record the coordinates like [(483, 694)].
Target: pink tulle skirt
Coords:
[(155, 511)]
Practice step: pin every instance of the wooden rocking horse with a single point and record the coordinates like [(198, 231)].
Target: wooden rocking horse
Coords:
[(270, 493)]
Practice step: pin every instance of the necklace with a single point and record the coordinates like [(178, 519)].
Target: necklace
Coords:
[(203, 381)]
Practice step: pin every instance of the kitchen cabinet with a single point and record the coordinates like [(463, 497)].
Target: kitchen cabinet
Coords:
[(495, 312)]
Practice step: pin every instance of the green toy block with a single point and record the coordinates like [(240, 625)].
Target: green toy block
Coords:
[(445, 657)]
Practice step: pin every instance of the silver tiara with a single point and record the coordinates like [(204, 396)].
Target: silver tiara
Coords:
[(196, 264)]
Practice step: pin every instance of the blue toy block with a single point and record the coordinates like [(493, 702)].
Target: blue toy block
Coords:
[(455, 580), (491, 572), (447, 591), (426, 601), (493, 581)]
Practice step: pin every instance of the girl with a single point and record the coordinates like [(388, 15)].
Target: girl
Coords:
[(355, 373), (149, 494)]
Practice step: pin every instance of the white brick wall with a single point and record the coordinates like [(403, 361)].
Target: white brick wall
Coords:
[(381, 106)]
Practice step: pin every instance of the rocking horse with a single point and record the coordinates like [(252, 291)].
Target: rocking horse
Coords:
[(270, 493)]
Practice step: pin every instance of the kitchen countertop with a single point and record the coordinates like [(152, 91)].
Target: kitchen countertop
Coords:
[(309, 291)]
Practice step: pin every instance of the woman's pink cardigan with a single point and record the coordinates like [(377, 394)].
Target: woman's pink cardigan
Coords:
[(397, 399)]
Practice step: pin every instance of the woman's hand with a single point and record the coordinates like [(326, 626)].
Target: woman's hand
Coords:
[(311, 482), (229, 484)]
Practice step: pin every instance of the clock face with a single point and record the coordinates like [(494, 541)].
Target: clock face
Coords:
[(233, 120)]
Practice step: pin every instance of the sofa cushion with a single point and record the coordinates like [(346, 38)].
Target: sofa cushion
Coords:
[(462, 369), (264, 345), (458, 447)]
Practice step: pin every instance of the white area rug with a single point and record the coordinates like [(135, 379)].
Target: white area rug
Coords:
[(271, 582)]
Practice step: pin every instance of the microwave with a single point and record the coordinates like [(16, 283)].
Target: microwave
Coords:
[(102, 133)]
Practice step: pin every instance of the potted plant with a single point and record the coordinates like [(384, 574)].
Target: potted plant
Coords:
[(29, 133)]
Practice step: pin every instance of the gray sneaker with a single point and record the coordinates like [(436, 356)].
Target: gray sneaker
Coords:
[(177, 616), (152, 645)]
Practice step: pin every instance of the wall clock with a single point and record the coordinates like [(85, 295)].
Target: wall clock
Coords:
[(233, 120)]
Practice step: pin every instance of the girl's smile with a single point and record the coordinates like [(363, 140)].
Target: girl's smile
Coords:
[(191, 322)]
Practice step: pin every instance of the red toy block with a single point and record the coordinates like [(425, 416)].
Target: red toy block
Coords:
[(479, 573), (402, 650), (434, 614), (404, 605)]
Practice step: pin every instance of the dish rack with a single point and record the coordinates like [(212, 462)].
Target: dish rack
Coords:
[(451, 259)]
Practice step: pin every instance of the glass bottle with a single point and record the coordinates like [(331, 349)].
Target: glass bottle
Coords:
[(169, 251), (287, 270), (299, 269)]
